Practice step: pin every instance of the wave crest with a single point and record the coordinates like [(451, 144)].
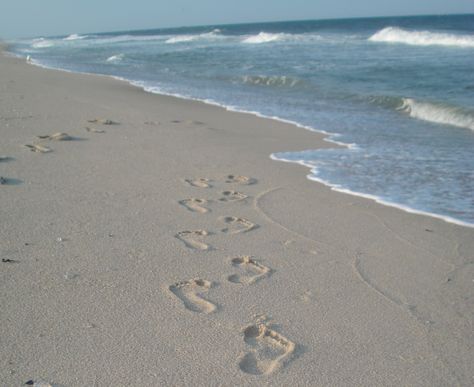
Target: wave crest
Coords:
[(421, 38), (75, 37), (438, 113), (115, 58), (41, 43), (265, 37), (215, 34)]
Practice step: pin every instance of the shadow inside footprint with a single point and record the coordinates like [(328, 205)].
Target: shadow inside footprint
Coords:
[(192, 239), (251, 270), (195, 205), (232, 196), (268, 350), (200, 183), (237, 225), (236, 179), (190, 293)]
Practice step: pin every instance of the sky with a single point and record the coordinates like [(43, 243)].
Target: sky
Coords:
[(33, 18)]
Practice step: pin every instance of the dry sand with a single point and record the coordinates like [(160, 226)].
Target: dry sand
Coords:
[(131, 257)]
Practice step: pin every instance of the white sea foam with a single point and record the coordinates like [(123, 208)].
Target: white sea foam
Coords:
[(115, 58), (441, 114), (41, 43), (421, 38), (265, 37), (338, 188), (75, 37), (213, 35)]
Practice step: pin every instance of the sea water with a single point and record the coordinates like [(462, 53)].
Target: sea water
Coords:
[(397, 93)]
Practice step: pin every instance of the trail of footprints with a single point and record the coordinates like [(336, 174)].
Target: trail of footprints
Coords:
[(267, 350), (39, 147)]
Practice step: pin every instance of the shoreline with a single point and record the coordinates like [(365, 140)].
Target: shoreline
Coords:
[(169, 249), (328, 137)]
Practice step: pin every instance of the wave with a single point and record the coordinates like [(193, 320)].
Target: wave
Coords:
[(213, 35), (421, 38), (41, 43), (275, 80), (75, 37), (265, 37), (115, 58), (438, 113)]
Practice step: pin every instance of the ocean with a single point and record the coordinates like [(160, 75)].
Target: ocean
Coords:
[(397, 93)]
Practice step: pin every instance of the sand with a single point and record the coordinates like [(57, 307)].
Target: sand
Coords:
[(160, 245)]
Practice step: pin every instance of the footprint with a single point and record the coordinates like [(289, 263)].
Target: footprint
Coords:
[(191, 239), (232, 196), (195, 205), (190, 292), (92, 130), (237, 225), (253, 271), (240, 180), (102, 121), (268, 352), (57, 137), (201, 183), (38, 148)]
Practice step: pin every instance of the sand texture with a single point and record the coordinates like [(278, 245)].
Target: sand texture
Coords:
[(161, 246)]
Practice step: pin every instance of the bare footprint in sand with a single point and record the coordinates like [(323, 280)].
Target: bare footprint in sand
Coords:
[(232, 196), (56, 137), (38, 148), (192, 239), (269, 350), (195, 205), (240, 180), (237, 225), (93, 130), (102, 121), (190, 292), (252, 271), (200, 183)]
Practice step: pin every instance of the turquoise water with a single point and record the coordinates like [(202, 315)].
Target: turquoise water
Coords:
[(398, 91)]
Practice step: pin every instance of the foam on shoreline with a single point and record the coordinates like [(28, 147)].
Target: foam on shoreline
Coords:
[(338, 188)]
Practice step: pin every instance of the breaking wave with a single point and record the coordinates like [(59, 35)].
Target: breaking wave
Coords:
[(421, 38), (41, 43), (215, 34), (75, 37), (438, 113), (115, 58), (265, 37)]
